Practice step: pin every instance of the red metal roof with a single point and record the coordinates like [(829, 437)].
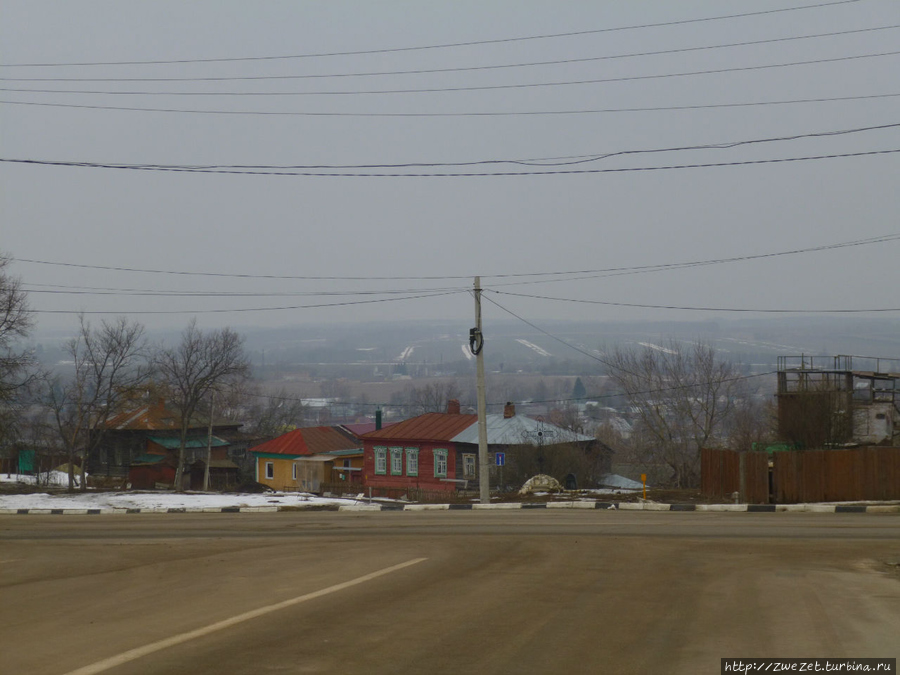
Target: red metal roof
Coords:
[(153, 417), (308, 441), (428, 427), (360, 428)]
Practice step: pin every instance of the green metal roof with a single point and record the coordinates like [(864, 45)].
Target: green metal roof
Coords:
[(170, 443)]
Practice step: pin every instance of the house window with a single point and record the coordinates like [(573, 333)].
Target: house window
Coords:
[(468, 465), (412, 461), (380, 461), (440, 463), (294, 471), (270, 470), (396, 461)]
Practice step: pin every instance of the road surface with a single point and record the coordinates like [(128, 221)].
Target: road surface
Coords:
[(442, 592)]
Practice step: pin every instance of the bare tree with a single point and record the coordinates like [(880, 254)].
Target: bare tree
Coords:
[(684, 396), (433, 396), (201, 364), (752, 423), (110, 367), (276, 414), (16, 322)]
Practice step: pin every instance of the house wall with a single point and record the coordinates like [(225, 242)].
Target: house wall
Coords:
[(146, 477), (874, 423), (425, 479), (282, 466), (311, 475), (334, 474)]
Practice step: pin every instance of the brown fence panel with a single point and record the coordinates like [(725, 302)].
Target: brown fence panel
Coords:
[(724, 472), (812, 478), (720, 472), (880, 472), (785, 477), (755, 470), (837, 475)]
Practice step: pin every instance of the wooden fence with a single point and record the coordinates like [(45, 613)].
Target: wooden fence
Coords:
[(797, 476), (860, 474), (724, 472)]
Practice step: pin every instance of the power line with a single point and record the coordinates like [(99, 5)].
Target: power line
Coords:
[(626, 271), (468, 174), (618, 368), (536, 162), (220, 294), (636, 268), (701, 309), (246, 309), (513, 113), (552, 336), (430, 71), (470, 43), (433, 90)]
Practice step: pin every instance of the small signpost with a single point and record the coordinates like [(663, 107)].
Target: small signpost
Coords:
[(499, 461), (644, 481)]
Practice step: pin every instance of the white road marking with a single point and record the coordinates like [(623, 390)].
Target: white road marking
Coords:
[(139, 652)]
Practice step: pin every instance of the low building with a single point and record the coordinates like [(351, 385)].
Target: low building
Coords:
[(838, 401), (309, 459), (133, 434), (439, 451)]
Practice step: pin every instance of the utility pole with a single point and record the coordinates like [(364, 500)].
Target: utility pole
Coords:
[(212, 401), (476, 345)]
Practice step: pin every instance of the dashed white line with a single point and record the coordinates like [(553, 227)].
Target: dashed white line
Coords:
[(146, 650)]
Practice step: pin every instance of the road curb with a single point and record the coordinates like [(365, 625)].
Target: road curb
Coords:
[(505, 506)]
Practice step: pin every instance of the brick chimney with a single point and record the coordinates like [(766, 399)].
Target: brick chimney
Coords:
[(453, 406), (509, 410)]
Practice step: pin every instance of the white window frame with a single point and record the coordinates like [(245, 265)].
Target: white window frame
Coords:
[(380, 460), (397, 461), (270, 470), (469, 461), (294, 471), (412, 461), (440, 460)]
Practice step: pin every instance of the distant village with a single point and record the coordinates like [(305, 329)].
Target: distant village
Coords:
[(584, 432)]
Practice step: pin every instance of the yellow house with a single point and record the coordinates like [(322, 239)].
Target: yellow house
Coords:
[(304, 459)]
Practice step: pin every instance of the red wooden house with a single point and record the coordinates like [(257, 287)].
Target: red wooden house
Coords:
[(416, 453), (439, 451)]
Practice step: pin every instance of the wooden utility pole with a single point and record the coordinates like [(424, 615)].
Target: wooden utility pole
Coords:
[(212, 402), (476, 344)]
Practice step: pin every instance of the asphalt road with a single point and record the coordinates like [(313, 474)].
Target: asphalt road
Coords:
[(446, 592)]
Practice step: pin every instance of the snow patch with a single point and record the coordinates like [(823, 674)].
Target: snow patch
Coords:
[(650, 345), (534, 347), (109, 501)]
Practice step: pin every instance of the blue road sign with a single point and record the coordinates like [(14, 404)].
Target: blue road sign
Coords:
[(499, 458)]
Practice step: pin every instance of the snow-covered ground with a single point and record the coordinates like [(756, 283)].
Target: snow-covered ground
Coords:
[(109, 501), (57, 478)]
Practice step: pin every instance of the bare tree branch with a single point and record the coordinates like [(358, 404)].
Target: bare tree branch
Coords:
[(683, 397), (201, 364), (110, 368)]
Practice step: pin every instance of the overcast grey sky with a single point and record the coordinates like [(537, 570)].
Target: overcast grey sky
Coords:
[(378, 226)]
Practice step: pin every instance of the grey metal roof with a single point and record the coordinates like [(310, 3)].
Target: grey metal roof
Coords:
[(518, 430)]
